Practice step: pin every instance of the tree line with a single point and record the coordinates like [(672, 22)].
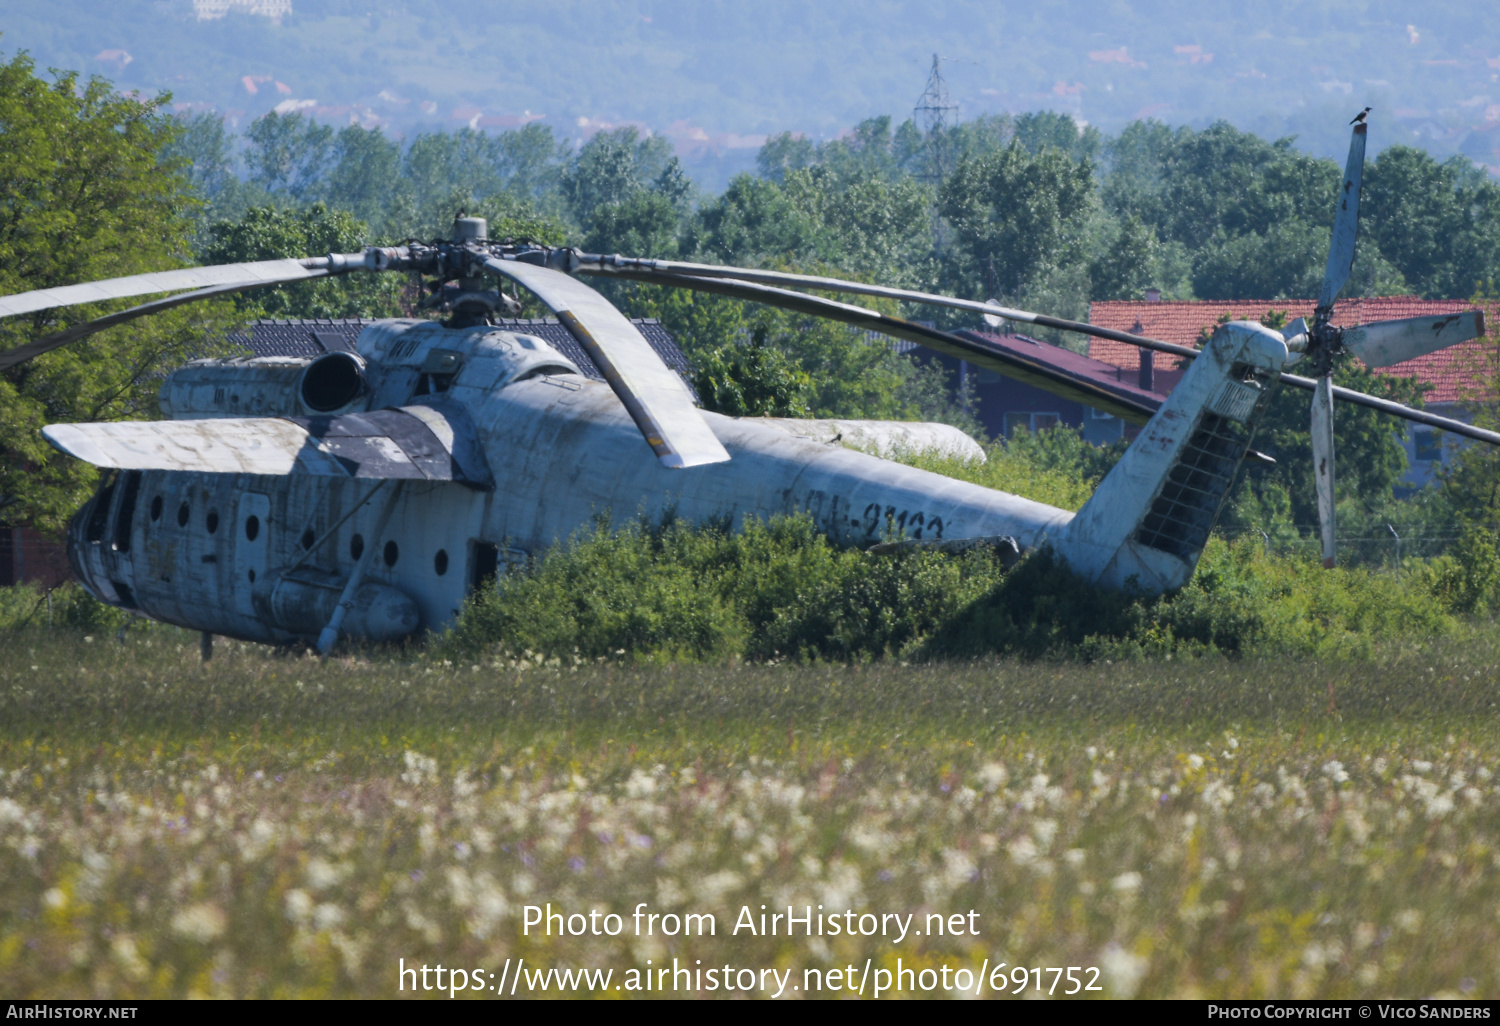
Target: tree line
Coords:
[(1033, 209)]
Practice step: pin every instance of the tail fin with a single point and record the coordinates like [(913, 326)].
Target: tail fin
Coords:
[(1151, 515)]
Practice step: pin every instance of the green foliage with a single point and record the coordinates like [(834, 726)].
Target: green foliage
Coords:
[(1129, 265), (753, 380), (268, 233), (84, 195), (67, 606), (1371, 458), (610, 168), (1015, 217), (782, 590), (777, 589), (1468, 579), (1439, 224), (288, 152)]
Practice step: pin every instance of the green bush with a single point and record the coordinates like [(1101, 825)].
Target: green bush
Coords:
[(25, 605), (781, 590)]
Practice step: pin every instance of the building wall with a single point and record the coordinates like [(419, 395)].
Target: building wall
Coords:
[(27, 557)]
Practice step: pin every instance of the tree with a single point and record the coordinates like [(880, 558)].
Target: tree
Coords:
[(786, 151), (1023, 214), (288, 153), (753, 380), (366, 174), (610, 168), (269, 233), (85, 194), (1129, 265)]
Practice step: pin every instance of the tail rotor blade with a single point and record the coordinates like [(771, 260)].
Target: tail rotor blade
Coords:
[(1346, 223), (1386, 342), (1322, 446)]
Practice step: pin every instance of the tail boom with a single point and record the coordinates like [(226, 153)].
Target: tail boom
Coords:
[(1146, 524)]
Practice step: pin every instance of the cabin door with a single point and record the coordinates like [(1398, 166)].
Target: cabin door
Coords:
[(252, 532)]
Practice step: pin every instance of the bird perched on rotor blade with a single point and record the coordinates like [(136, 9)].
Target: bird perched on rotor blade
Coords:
[(1359, 118)]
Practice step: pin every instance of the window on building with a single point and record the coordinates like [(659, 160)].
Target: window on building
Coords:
[(1429, 446)]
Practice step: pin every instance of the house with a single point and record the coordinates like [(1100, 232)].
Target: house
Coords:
[(1447, 372), (1002, 404)]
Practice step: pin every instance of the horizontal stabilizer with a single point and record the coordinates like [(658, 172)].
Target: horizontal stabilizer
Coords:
[(1387, 342), (422, 443)]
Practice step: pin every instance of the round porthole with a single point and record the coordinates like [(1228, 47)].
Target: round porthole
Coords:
[(391, 553), (308, 538), (356, 546), (440, 562), (183, 512), (156, 509), (212, 521), (252, 528)]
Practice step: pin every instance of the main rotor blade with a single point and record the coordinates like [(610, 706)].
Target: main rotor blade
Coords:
[(267, 272), (1346, 222), (31, 350), (1121, 402), (643, 270), (656, 398), (701, 276), (1322, 446), (1395, 409), (1383, 343)]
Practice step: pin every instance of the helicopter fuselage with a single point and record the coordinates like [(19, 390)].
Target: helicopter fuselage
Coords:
[(265, 557)]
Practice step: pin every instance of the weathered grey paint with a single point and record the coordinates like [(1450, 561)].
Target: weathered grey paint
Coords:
[(563, 450)]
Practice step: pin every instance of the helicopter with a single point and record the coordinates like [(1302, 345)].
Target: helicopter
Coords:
[(364, 494)]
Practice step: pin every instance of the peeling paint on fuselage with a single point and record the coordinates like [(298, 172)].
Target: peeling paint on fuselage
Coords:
[(562, 451)]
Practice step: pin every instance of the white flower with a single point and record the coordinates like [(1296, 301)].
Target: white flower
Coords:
[(299, 905), (1127, 883), (1023, 850), (1334, 770), (326, 916), (993, 775), (321, 875), (1122, 970), (201, 923), (419, 768)]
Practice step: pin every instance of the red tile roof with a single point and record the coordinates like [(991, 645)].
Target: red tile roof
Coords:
[(1181, 323)]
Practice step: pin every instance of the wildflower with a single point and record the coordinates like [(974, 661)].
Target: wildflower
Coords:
[(1122, 970), (1127, 883), (201, 922), (299, 905), (1334, 770), (993, 775)]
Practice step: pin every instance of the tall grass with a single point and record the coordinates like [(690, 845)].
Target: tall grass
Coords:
[(276, 826)]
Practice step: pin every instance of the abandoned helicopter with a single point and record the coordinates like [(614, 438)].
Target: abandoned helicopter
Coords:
[(362, 493)]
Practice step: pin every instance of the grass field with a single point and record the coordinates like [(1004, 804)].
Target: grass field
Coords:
[(277, 826)]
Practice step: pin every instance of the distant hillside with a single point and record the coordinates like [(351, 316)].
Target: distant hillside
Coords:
[(716, 77)]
